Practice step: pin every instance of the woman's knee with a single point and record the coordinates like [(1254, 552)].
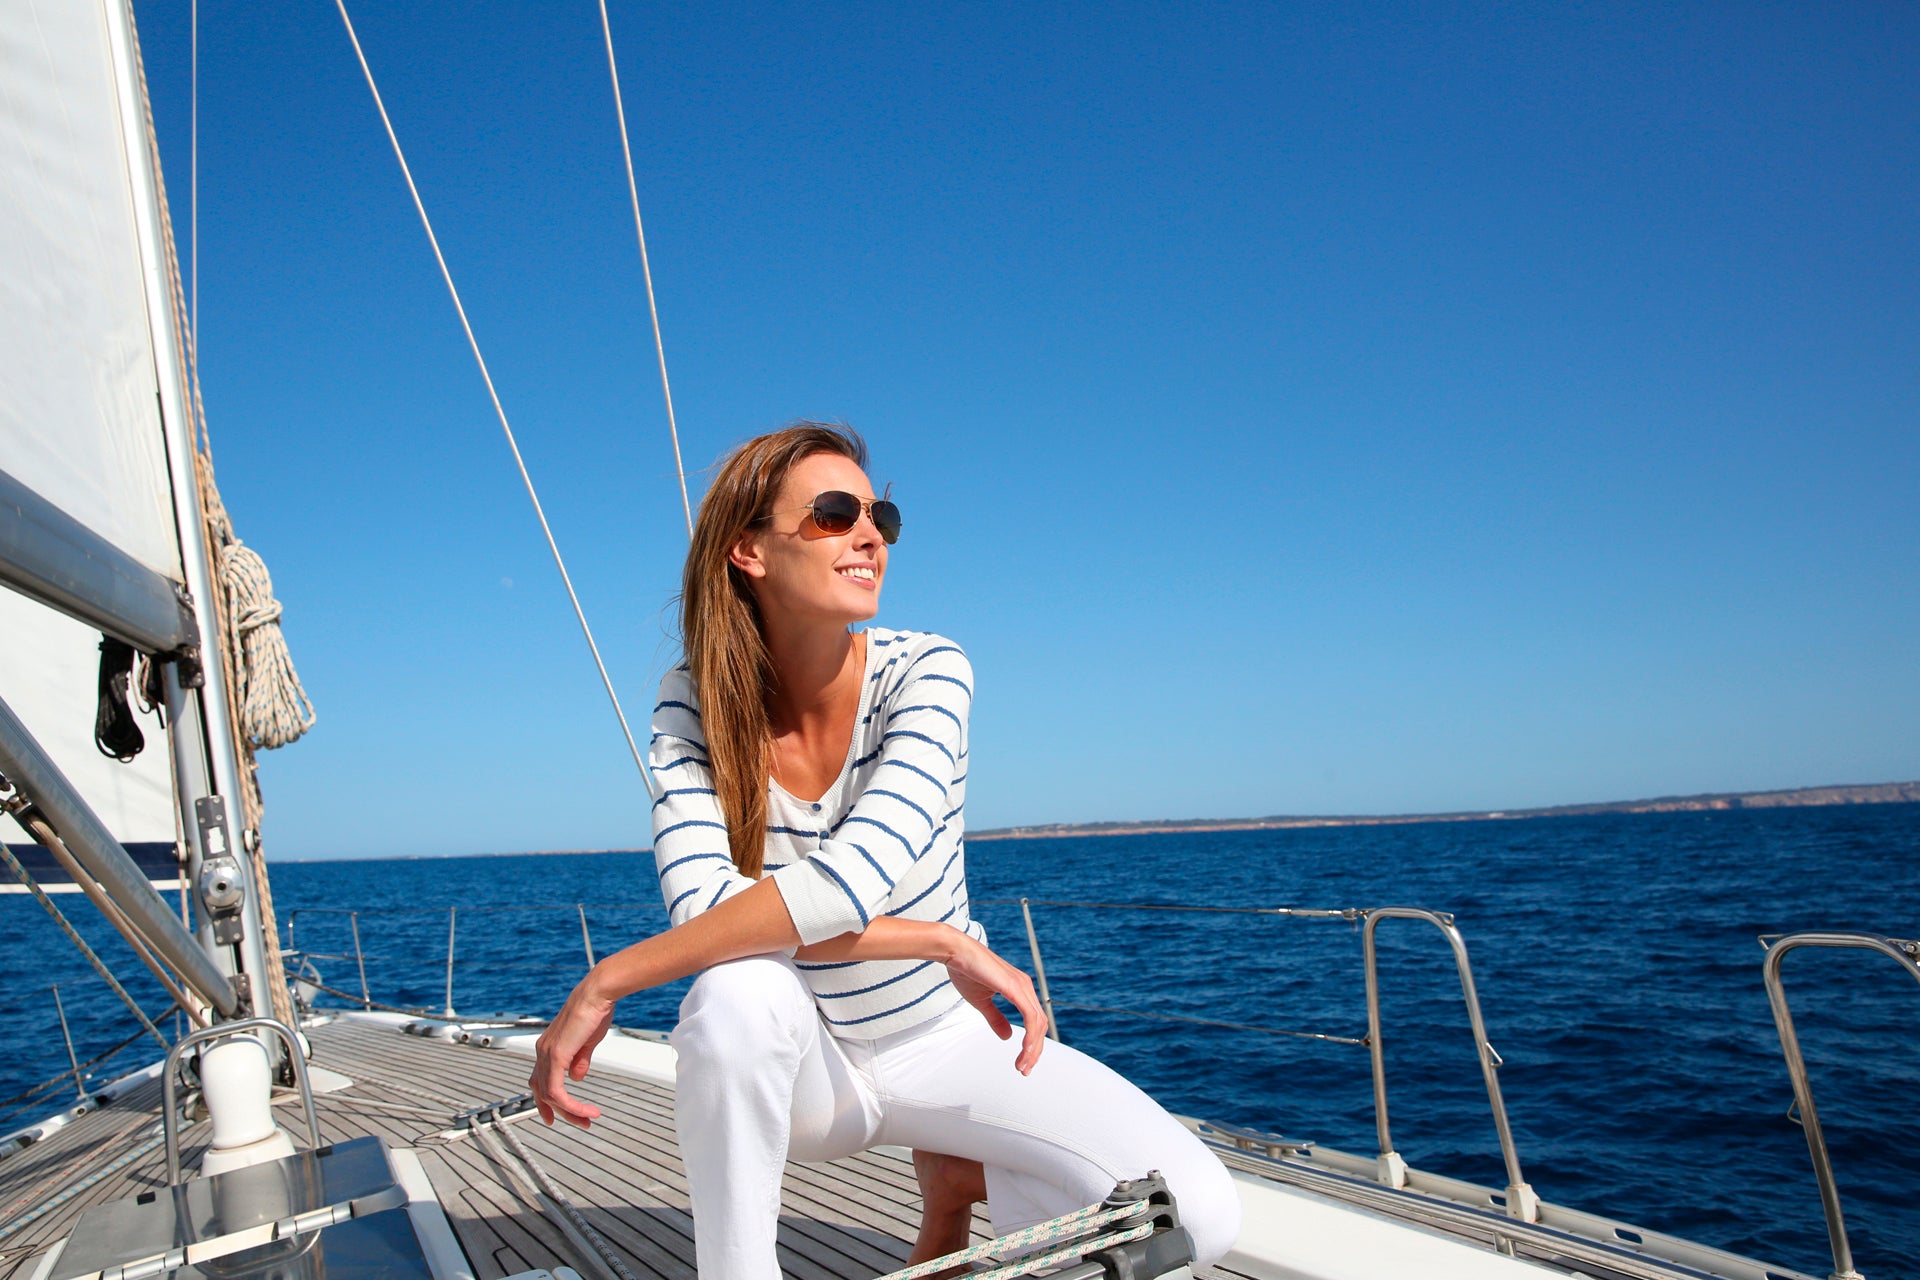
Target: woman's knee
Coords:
[(1209, 1204), (743, 1007)]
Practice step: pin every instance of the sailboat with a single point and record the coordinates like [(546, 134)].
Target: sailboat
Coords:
[(275, 1139)]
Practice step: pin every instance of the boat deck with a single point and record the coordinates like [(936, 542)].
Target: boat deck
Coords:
[(845, 1220)]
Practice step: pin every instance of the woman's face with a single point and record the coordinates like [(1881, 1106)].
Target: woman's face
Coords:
[(803, 576)]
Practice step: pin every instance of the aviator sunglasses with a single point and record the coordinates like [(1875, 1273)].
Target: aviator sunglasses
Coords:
[(837, 512)]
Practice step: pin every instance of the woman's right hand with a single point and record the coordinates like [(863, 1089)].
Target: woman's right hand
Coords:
[(565, 1049), (979, 975)]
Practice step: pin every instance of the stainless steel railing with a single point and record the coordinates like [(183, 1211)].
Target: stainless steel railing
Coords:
[(1903, 952), (1391, 1168), (1522, 1203)]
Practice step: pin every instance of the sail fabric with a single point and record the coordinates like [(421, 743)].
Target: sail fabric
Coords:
[(49, 676), (79, 409)]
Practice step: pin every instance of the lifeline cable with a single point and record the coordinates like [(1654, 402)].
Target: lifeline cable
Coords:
[(73, 936)]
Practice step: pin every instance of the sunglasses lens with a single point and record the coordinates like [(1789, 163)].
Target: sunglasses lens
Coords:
[(886, 518), (835, 512)]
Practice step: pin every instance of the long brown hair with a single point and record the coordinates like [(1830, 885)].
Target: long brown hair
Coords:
[(720, 623)]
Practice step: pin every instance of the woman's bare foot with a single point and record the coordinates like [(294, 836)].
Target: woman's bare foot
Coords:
[(949, 1188)]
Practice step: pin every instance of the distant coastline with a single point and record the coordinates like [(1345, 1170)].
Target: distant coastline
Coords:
[(1800, 797)]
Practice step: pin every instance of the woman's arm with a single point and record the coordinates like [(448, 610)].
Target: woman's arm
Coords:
[(754, 922), (690, 850)]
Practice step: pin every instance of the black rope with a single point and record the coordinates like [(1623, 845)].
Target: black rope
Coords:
[(115, 731)]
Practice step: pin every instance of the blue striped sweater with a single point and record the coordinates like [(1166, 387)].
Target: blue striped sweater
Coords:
[(887, 838)]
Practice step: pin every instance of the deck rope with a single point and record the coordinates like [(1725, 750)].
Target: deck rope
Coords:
[(526, 479), (33, 1215), (1077, 1223), (555, 1207)]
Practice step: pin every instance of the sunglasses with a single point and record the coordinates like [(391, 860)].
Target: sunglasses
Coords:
[(837, 512)]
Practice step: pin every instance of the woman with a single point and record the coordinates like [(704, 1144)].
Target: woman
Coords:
[(809, 846)]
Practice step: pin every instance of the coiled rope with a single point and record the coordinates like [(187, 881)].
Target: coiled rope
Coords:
[(274, 709)]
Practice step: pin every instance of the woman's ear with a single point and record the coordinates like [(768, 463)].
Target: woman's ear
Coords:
[(745, 556)]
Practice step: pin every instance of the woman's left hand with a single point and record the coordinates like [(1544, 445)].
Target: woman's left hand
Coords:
[(979, 975), (565, 1049)]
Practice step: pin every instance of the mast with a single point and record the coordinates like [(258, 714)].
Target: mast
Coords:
[(206, 758)]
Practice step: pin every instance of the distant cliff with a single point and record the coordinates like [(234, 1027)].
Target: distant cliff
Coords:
[(1872, 793)]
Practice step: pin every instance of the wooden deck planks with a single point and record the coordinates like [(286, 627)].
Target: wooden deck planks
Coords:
[(845, 1220), (850, 1219)]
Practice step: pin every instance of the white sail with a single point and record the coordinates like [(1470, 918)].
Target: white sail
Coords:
[(79, 409), (57, 705)]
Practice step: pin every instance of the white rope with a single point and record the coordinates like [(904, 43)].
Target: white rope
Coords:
[(500, 412), (273, 706), (646, 268), (1079, 1249), (1078, 1222)]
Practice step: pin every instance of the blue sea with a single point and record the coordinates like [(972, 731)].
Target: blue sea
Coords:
[(1617, 959)]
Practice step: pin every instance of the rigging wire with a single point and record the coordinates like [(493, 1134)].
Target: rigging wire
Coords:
[(499, 411), (646, 268)]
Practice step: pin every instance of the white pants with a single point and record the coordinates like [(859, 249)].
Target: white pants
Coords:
[(762, 1080)]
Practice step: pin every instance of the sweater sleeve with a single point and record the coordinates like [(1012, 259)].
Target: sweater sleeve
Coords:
[(908, 801), (690, 850)]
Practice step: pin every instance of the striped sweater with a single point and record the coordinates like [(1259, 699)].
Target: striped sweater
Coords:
[(887, 838)]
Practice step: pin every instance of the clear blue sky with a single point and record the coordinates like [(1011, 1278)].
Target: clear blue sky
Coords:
[(1295, 409)]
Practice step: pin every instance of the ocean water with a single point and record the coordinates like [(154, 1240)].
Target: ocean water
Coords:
[(1616, 957)]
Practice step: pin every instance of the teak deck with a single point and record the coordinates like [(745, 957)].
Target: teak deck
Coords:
[(846, 1220)]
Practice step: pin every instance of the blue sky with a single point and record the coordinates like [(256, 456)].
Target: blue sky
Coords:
[(1295, 409)]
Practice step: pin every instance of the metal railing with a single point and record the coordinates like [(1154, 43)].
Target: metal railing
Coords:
[(1391, 1168), (1522, 1203), (1903, 952)]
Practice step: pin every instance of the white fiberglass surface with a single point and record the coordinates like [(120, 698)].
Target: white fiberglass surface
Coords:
[(1293, 1235), (79, 418)]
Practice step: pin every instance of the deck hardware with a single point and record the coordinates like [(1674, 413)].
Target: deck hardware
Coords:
[(1905, 953), (1273, 1145), (222, 888), (506, 1107), (170, 1110), (1521, 1202)]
